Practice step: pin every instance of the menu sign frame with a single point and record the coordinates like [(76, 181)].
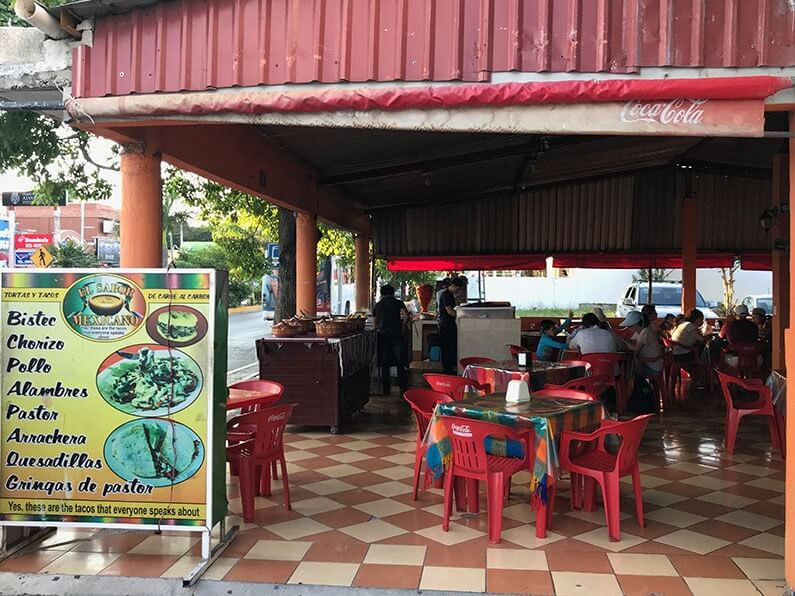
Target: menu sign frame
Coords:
[(110, 399)]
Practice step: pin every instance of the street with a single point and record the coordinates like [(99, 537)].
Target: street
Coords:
[(244, 329)]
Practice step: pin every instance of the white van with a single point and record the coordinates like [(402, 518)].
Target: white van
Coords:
[(666, 297)]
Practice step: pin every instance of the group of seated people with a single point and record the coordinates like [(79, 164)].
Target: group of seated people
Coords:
[(645, 335)]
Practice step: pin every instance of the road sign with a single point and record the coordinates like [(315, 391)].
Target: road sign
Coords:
[(26, 244), (41, 258), (273, 251), (26, 199)]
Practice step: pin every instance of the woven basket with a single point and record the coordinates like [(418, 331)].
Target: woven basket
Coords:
[(285, 330), (331, 328), (304, 325)]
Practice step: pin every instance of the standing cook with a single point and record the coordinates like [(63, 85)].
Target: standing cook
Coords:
[(448, 331), (391, 320)]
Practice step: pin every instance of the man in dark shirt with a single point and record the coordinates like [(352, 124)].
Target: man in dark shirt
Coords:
[(448, 331), (391, 320), (741, 329)]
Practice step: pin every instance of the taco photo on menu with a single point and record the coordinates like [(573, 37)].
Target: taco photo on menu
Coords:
[(179, 326), (155, 451), (149, 380)]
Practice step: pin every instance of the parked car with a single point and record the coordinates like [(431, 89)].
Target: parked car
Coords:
[(759, 301), (666, 297)]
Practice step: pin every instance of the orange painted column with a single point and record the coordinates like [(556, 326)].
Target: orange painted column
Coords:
[(362, 272), (141, 204), (789, 352), (689, 226), (780, 259), (306, 237)]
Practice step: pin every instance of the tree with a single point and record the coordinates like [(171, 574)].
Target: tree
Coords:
[(212, 256), (285, 301), (405, 281), (70, 253), (657, 275), (57, 158), (727, 280)]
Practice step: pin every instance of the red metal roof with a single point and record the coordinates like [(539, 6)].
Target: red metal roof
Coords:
[(202, 44)]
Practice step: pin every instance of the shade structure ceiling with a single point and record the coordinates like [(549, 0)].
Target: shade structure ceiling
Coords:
[(459, 193)]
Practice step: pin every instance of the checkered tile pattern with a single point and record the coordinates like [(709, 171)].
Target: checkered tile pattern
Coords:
[(714, 523)]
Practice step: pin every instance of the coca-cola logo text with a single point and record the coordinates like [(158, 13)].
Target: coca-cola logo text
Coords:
[(276, 417), (462, 430), (675, 111)]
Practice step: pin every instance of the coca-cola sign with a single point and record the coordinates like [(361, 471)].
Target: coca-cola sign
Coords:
[(671, 112)]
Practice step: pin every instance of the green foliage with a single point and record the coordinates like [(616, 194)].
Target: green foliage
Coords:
[(70, 253), (656, 275), (243, 224), (197, 234), (212, 256), (54, 156)]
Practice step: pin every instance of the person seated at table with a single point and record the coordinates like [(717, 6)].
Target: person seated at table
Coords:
[(650, 312), (667, 326), (592, 339), (645, 342), (740, 329), (759, 317), (547, 344), (689, 342)]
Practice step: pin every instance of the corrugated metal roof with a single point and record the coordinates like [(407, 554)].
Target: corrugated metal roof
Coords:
[(637, 213), (203, 44)]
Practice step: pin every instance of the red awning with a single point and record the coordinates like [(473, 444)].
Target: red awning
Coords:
[(638, 261), (467, 263), (392, 98), (757, 262)]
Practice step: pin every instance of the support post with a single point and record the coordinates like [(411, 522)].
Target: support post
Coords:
[(141, 205), (306, 237), (781, 233), (362, 273), (789, 347), (689, 227)]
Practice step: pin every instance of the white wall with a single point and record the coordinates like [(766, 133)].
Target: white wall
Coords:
[(605, 286)]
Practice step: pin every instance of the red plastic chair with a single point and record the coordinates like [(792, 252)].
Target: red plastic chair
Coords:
[(553, 391), (676, 369), (241, 457), (658, 383), (605, 364), (471, 461), (749, 359), (253, 394), (593, 386), (422, 402), (763, 406), (464, 362), (575, 362), (266, 427), (599, 466), (452, 385)]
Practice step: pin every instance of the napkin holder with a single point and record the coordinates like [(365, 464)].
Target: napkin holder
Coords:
[(522, 358), (517, 391)]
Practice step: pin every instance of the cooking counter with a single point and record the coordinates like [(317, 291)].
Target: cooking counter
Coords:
[(328, 378)]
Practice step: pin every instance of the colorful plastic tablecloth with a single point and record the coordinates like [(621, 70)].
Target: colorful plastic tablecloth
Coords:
[(537, 375), (546, 417)]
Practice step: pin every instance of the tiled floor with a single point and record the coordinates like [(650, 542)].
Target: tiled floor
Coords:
[(714, 523)]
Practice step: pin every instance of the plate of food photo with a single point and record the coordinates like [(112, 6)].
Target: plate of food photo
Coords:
[(155, 451), (149, 380), (176, 325)]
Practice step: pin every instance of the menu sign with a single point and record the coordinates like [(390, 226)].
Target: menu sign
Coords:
[(106, 397)]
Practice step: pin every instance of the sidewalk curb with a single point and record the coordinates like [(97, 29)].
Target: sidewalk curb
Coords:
[(239, 309)]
